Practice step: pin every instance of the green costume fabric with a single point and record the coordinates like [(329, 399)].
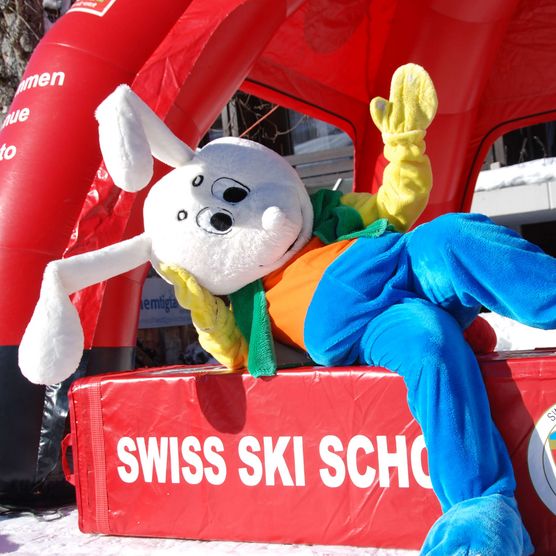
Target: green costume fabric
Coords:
[(250, 312), (332, 222)]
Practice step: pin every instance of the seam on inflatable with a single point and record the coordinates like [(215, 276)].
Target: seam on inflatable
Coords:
[(99, 460)]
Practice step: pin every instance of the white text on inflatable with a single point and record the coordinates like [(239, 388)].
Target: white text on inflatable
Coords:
[(22, 115), (45, 79), (7, 152)]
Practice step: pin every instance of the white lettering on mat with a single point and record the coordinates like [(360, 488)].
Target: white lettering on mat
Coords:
[(275, 461)]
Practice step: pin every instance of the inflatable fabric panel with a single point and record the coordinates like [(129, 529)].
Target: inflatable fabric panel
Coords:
[(312, 455)]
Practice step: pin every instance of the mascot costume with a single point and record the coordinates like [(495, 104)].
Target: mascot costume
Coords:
[(335, 275)]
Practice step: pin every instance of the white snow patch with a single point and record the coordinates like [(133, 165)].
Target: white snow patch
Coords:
[(513, 336), (534, 172)]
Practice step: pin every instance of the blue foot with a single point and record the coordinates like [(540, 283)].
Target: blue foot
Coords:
[(485, 526)]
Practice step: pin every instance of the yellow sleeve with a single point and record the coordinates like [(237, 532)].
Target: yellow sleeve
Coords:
[(406, 182), (212, 318), (407, 178), (404, 192)]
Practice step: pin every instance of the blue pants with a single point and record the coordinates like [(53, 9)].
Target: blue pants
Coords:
[(402, 303)]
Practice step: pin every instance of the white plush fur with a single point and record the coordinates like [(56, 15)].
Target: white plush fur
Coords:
[(129, 131), (229, 214), (52, 344)]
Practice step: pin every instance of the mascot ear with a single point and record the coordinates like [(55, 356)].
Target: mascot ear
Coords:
[(129, 133)]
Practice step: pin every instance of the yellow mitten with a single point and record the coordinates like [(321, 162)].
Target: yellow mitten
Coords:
[(403, 119), (412, 104), (213, 320)]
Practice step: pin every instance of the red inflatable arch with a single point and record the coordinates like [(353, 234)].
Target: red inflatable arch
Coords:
[(492, 62)]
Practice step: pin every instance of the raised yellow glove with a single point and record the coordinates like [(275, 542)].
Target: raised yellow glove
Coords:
[(213, 320), (412, 105), (403, 119)]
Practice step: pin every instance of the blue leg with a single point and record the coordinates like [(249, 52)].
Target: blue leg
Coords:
[(470, 468), (463, 261)]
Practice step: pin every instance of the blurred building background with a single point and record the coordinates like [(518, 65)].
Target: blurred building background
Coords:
[(517, 187)]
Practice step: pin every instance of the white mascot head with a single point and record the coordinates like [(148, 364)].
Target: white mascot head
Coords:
[(232, 214)]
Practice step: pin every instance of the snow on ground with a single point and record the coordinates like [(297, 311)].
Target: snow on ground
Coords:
[(56, 533)]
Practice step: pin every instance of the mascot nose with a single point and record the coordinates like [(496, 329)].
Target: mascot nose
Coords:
[(221, 221), (275, 220)]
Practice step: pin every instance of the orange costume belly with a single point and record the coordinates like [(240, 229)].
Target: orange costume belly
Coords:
[(289, 290)]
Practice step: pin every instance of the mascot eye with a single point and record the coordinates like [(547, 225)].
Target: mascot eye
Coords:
[(234, 194), (197, 180), (215, 221), (229, 190), (182, 215)]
